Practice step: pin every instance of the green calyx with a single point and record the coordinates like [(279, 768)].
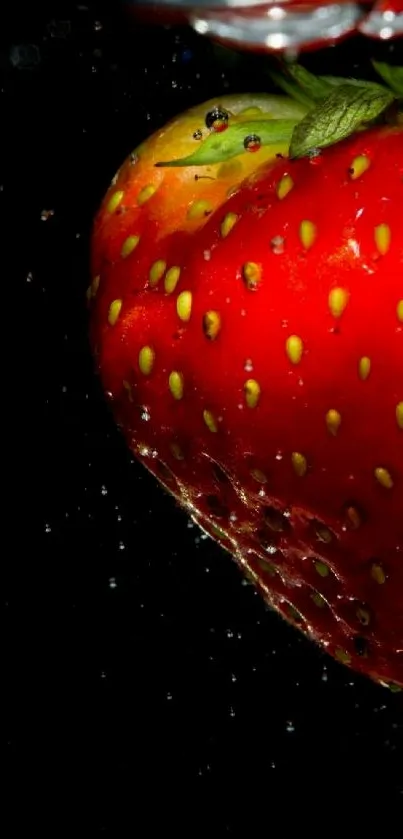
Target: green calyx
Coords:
[(336, 108)]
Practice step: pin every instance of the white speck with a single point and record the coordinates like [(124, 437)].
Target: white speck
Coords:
[(233, 517), (47, 214), (207, 255), (279, 456), (104, 490), (243, 313), (290, 727), (48, 528), (169, 696), (324, 675), (97, 25), (122, 546), (103, 674), (228, 300), (229, 633), (29, 277), (112, 582), (145, 415), (233, 677), (232, 712), (248, 366)]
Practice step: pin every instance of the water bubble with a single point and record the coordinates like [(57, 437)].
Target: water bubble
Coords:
[(252, 143), (277, 244), (217, 119)]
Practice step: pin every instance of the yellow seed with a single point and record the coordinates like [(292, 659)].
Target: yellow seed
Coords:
[(171, 279), (258, 476), (210, 421), (338, 299), (146, 360), (176, 451), (359, 165), (114, 201), (321, 568), (228, 222), (128, 388), (299, 464), (307, 233), (252, 275), (157, 271), (399, 311), (230, 170), (354, 518), (146, 193), (199, 209), (184, 305), (333, 421), (114, 311), (363, 615), (284, 186), (252, 392), (399, 414), (176, 384), (383, 477), (383, 235), (211, 324), (129, 245), (318, 599), (294, 348), (342, 655), (378, 573), (323, 534), (93, 288), (364, 367)]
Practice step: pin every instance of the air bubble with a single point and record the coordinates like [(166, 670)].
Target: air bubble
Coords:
[(252, 143)]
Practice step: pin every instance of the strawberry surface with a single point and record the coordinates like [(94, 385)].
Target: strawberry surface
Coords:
[(263, 385)]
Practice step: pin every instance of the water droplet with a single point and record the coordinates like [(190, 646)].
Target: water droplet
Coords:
[(252, 143), (277, 244), (217, 119)]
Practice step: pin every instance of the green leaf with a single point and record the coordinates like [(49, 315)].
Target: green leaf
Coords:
[(393, 76), (316, 87), (291, 88), (337, 81), (218, 147), (346, 110)]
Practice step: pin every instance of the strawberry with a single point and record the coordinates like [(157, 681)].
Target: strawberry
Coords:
[(264, 390), (148, 202)]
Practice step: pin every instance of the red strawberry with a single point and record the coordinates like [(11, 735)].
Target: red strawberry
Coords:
[(266, 391), (147, 202)]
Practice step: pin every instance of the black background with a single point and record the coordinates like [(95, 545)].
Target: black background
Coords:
[(145, 683)]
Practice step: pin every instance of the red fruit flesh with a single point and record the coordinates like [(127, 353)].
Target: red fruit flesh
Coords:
[(269, 398)]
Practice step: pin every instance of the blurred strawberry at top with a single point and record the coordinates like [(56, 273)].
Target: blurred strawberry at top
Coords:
[(284, 26)]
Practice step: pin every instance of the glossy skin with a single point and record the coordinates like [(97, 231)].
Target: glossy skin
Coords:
[(288, 452)]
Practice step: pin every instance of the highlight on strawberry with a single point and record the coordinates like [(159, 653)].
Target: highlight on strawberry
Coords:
[(246, 307)]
